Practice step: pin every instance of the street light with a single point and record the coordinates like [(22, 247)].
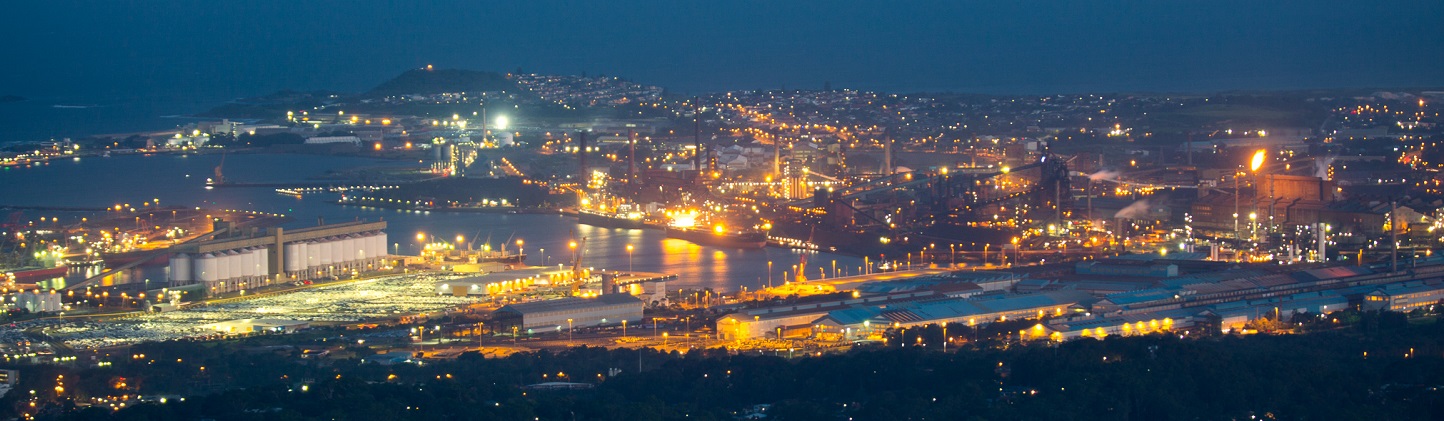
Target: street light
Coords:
[(569, 332), (629, 257)]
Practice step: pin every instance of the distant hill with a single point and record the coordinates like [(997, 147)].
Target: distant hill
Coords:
[(272, 105), (426, 82)]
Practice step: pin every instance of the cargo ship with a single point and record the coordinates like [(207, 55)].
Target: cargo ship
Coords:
[(610, 220), (33, 273), (730, 239)]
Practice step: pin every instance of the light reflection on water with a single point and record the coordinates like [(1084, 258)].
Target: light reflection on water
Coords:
[(101, 182)]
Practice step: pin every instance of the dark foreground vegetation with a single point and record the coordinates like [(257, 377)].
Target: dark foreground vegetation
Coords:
[(1364, 371)]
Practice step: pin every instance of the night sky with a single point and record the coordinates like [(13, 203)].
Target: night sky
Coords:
[(226, 49)]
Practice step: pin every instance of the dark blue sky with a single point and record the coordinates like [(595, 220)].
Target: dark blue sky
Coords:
[(223, 49)]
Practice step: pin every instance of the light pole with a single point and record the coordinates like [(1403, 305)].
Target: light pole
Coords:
[(519, 250), (569, 332), (629, 258), (624, 328), (769, 274)]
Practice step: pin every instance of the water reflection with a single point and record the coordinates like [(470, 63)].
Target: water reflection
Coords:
[(123, 179)]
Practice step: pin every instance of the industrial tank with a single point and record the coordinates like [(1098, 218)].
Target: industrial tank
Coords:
[(348, 248), (314, 252), (180, 268), (206, 268), (293, 257)]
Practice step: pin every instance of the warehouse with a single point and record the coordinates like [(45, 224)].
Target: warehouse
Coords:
[(562, 313)]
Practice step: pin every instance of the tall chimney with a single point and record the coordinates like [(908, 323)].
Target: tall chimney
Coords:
[(887, 152)]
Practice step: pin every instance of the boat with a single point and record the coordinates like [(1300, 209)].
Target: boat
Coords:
[(34, 273), (731, 239), (610, 220)]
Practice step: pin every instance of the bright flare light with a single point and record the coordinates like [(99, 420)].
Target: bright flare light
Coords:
[(501, 122), (1258, 160)]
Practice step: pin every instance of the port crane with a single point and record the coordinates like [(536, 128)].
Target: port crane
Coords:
[(581, 249)]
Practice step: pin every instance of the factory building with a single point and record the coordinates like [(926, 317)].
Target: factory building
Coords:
[(1405, 297), (796, 319), (603, 310), (854, 324), (253, 259)]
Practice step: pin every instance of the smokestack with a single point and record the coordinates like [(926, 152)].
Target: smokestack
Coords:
[(1189, 147), (320, 220), (631, 155), (887, 152), (582, 155)]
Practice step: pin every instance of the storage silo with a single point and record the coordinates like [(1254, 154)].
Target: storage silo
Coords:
[(320, 256), (180, 268), (338, 253), (206, 269), (308, 254), (293, 257), (380, 239), (263, 261), (240, 263), (305, 253), (348, 248)]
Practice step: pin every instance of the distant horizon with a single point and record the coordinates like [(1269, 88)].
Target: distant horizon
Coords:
[(166, 57)]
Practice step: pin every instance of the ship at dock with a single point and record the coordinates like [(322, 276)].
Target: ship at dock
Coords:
[(719, 237), (624, 220)]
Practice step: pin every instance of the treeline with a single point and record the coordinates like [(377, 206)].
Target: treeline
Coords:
[(1387, 371)]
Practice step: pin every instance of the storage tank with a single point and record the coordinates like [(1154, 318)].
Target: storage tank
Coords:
[(323, 253), (313, 254), (248, 262), (383, 244), (338, 252), (180, 268), (294, 262), (205, 268), (348, 248), (223, 265), (303, 250), (239, 263), (289, 251), (263, 261)]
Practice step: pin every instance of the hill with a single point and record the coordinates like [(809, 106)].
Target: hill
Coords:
[(429, 81)]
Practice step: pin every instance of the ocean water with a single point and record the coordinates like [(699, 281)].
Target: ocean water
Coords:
[(38, 119)]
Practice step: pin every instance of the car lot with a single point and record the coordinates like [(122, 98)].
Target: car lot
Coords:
[(350, 302)]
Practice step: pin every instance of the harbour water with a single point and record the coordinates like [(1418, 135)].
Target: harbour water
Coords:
[(180, 180)]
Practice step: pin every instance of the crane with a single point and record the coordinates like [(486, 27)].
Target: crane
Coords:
[(577, 265)]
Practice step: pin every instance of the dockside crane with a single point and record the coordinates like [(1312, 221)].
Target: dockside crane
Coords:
[(581, 247)]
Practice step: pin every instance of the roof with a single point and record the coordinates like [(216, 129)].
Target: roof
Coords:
[(571, 303)]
